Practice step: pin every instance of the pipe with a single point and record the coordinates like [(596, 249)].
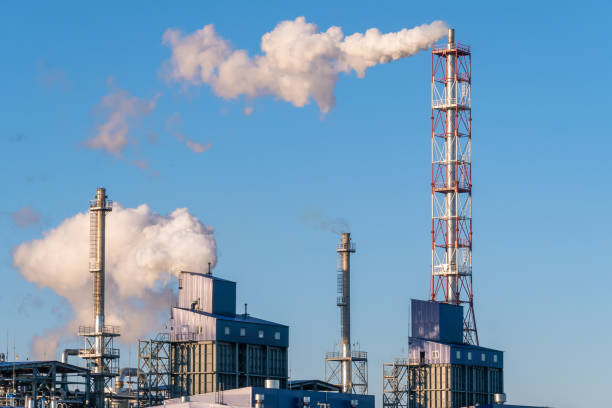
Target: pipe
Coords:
[(65, 354), (126, 372), (69, 352), (344, 250), (452, 295)]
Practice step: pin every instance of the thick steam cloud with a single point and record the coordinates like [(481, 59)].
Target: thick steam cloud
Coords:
[(143, 251), (297, 63)]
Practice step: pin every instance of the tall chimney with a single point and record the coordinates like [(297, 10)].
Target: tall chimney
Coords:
[(451, 201), (97, 228), (344, 250)]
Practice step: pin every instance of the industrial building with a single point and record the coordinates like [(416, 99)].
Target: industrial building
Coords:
[(210, 347), (442, 371), (260, 397), (214, 348)]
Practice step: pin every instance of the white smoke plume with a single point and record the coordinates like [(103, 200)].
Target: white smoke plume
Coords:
[(297, 63), (143, 251), (25, 217), (176, 121), (120, 110), (316, 218)]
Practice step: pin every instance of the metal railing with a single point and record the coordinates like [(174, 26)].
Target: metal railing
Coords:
[(457, 46), (93, 204), (189, 336), (106, 330), (354, 355), (108, 352), (463, 102), (350, 247)]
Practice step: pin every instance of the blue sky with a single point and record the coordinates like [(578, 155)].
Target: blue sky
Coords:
[(540, 198)]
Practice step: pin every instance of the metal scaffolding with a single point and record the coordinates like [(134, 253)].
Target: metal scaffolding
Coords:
[(396, 387), (154, 369), (358, 360)]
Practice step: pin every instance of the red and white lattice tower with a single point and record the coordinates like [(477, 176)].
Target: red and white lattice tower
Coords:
[(451, 180)]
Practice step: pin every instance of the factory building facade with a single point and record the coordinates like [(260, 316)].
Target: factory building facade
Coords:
[(213, 348), (443, 371)]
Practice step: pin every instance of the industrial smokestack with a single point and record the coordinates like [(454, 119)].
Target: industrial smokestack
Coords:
[(452, 295), (451, 116), (344, 250), (97, 230)]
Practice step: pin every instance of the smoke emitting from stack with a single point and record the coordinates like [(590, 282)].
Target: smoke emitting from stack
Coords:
[(143, 251), (451, 266), (298, 62)]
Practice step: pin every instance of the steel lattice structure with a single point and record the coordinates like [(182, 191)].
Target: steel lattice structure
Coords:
[(358, 360), (396, 387), (154, 370), (451, 184)]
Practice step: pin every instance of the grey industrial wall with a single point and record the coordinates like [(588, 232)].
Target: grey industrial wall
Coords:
[(208, 366), (453, 385)]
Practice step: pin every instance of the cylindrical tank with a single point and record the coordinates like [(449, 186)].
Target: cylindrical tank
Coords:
[(272, 383), (499, 398)]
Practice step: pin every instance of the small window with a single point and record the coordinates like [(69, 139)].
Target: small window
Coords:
[(458, 353), (277, 336), (260, 334), (227, 330), (483, 357), (469, 355), (242, 331), (435, 354), (495, 358), (199, 329)]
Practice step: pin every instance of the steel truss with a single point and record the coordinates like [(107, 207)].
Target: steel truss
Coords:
[(101, 358), (154, 369), (451, 185), (359, 372), (395, 384)]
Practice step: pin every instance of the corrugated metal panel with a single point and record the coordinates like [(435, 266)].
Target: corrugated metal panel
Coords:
[(224, 297), (188, 325), (207, 293), (195, 292), (437, 321)]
